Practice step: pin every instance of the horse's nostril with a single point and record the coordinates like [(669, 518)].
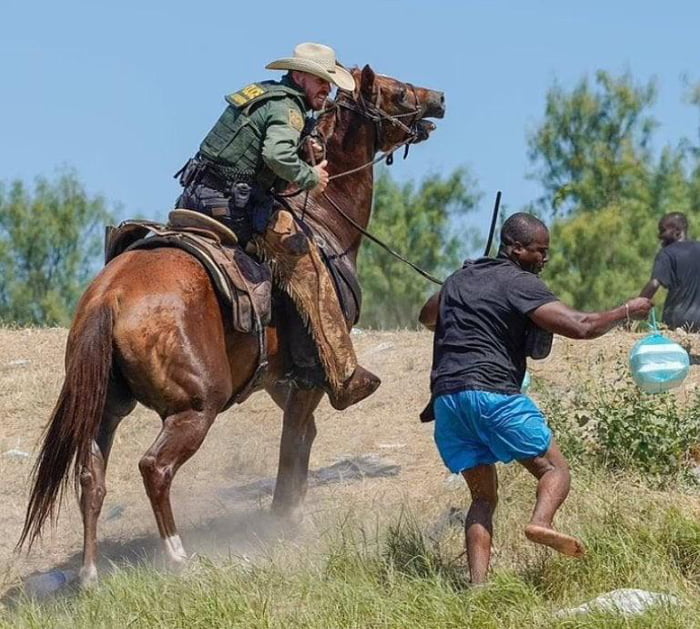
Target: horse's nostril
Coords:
[(438, 104)]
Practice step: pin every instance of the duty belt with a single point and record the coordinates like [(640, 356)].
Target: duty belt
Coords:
[(215, 176), (212, 180)]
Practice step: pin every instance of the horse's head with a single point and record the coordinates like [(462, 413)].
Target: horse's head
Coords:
[(399, 110)]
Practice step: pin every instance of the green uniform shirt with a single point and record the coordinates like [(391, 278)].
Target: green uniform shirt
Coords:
[(259, 132)]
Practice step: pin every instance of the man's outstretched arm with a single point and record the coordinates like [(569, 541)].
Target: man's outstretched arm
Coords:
[(559, 318)]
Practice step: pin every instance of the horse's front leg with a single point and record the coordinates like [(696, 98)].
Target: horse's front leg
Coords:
[(298, 433)]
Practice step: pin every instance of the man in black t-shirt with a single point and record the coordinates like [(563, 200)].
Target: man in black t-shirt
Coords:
[(677, 268), (488, 318)]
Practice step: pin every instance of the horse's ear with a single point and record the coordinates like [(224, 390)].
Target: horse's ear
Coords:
[(367, 82)]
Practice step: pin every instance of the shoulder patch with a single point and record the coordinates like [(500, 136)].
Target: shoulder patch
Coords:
[(295, 119), (247, 94)]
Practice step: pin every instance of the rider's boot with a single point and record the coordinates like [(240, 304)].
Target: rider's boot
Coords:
[(300, 272), (361, 384)]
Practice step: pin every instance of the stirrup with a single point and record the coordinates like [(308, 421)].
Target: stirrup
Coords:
[(183, 219)]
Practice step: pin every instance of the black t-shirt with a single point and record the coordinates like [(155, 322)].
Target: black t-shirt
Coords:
[(480, 338), (677, 268)]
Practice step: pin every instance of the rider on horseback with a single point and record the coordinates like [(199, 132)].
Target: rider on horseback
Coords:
[(250, 155)]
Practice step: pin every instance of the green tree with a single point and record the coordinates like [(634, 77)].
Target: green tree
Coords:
[(593, 147), (50, 242), (603, 188), (419, 222), (599, 258), (694, 150)]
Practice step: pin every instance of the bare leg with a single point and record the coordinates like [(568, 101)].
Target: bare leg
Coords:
[(298, 434), (478, 527), (554, 481), (179, 439), (93, 488)]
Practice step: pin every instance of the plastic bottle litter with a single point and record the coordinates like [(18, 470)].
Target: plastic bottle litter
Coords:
[(17, 454), (115, 512), (452, 518), (18, 363), (41, 585)]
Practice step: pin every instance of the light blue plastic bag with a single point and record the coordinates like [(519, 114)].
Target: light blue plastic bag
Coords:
[(526, 382), (657, 363)]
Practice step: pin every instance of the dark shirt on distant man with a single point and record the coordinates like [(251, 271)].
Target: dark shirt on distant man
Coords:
[(677, 268)]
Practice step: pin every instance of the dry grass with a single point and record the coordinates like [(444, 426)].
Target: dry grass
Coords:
[(242, 448)]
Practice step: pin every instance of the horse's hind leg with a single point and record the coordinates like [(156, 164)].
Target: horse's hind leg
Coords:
[(179, 439), (92, 483)]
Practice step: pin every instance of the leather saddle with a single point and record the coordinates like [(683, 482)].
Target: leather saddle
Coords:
[(243, 285)]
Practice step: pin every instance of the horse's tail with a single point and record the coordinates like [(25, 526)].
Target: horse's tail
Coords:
[(75, 419)]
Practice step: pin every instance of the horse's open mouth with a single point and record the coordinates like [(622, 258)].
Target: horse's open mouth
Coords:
[(423, 128)]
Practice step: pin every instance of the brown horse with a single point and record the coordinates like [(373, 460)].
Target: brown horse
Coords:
[(149, 328)]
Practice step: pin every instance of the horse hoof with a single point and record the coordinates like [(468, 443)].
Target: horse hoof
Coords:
[(177, 566), (175, 555), (290, 516), (88, 577)]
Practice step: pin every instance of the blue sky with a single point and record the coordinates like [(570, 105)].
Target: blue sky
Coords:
[(124, 91)]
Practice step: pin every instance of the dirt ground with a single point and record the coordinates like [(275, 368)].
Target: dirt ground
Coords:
[(222, 494)]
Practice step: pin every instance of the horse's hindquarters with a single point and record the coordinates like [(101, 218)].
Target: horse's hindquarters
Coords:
[(170, 335)]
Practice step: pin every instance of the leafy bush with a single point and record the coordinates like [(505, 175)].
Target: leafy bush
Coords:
[(616, 424), (651, 433)]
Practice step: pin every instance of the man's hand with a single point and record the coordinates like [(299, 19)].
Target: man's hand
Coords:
[(316, 151), (322, 177), (638, 308)]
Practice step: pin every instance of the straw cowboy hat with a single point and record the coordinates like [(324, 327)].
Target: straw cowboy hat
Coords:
[(318, 60)]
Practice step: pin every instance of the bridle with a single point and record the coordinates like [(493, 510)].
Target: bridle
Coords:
[(372, 111)]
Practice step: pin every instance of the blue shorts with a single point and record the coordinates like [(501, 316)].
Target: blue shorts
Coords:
[(480, 428)]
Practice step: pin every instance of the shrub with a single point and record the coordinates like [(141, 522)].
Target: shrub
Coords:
[(623, 428), (649, 433)]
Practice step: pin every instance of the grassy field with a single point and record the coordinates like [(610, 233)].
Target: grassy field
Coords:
[(379, 552)]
